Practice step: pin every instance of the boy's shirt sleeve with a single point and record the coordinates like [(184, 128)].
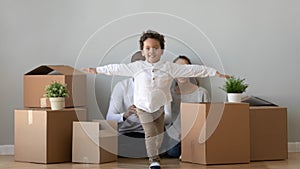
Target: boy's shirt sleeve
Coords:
[(192, 71), (168, 114), (117, 69)]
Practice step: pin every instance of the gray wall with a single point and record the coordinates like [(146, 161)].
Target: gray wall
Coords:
[(257, 40)]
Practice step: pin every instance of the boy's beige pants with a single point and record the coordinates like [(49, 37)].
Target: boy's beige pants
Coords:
[(153, 124)]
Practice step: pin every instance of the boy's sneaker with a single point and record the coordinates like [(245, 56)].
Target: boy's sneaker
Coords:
[(154, 165)]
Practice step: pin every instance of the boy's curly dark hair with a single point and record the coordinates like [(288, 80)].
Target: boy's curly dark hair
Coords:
[(153, 35)]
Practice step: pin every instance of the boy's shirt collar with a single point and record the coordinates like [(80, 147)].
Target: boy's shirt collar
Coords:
[(153, 64)]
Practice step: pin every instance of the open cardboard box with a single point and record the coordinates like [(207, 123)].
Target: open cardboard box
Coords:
[(36, 80), (95, 142)]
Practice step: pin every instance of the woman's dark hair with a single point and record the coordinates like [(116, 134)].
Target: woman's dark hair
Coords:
[(153, 35), (183, 57)]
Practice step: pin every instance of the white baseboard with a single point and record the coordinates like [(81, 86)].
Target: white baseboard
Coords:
[(293, 147), (6, 149)]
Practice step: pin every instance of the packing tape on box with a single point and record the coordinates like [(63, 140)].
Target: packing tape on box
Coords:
[(43, 102), (30, 117)]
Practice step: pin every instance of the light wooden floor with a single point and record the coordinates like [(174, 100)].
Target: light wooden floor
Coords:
[(7, 162)]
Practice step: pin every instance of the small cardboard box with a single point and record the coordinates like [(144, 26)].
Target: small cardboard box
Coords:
[(37, 79), (95, 142), (45, 136), (268, 128), (215, 133)]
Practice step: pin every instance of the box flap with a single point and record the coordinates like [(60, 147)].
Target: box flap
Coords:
[(54, 70), (107, 133), (107, 124), (256, 101)]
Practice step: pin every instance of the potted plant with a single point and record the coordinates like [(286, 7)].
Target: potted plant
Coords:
[(234, 88), (56, 92)]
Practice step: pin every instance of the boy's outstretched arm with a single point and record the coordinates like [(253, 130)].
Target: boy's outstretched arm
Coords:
[(222, 75), (89, 70)]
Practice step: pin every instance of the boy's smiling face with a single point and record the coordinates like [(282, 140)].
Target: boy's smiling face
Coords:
[(152, 50)]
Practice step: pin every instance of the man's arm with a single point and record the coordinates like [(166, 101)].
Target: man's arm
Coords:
[(116, 105)]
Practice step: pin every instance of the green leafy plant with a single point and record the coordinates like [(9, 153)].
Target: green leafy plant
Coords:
[(56, 89), (235, 85)]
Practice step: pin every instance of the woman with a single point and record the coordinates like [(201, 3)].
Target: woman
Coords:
[(182, 90)]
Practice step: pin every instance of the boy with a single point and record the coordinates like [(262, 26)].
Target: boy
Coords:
[(122, 110), (153, 79)]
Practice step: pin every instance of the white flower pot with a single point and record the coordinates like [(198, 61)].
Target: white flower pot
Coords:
[(234, 97), (57, 103)]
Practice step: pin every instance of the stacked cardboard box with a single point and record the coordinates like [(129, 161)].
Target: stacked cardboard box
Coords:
[(43, 135), (95, 142), (216, 133)]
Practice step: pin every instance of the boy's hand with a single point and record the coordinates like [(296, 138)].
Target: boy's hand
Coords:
[(89, 70), (222, 75)]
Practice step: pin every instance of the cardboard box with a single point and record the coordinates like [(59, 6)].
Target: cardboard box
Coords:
[(37, 79), (45, 136), (95, 142), (268, 128), (216, 133)]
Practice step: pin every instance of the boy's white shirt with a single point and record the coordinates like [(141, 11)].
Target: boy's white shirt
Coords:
[(153, 80), (121, 99)]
